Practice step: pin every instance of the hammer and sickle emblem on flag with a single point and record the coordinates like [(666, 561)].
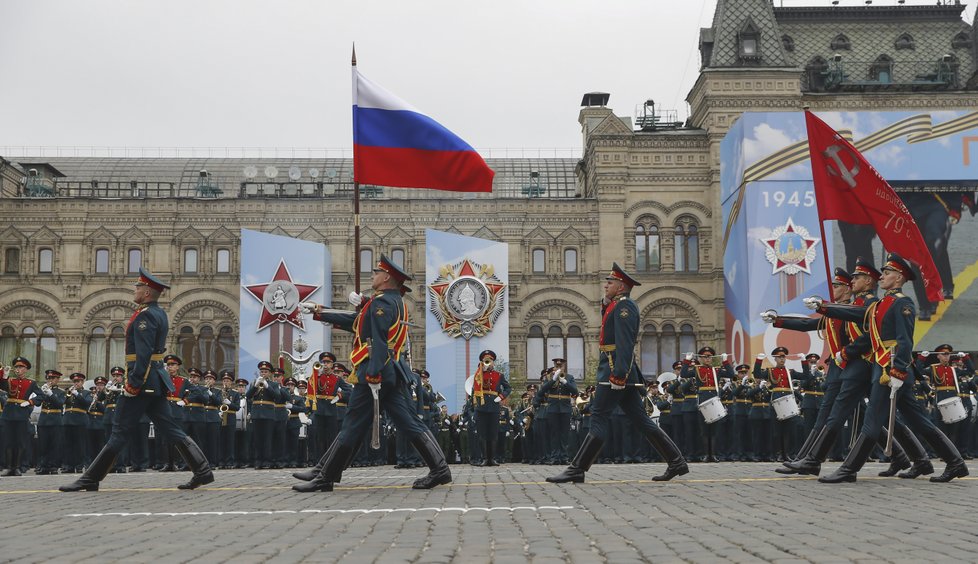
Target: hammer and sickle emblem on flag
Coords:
[(840, 170)]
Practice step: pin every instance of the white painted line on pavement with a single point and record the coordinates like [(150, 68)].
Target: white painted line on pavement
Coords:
[(338, 511)]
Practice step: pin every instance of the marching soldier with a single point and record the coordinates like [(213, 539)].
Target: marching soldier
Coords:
[(620, 383), (891, 320), (230, 404), (559, 387), (379, 334), (49, 426), (489, 390), (144, 391), (76, 423)]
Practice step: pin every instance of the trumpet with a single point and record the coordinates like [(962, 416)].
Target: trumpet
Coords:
[(486, 364), (260, 382), (46, 388)]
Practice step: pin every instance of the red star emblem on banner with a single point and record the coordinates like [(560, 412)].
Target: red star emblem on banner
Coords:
[(280, 298), (790, 249)]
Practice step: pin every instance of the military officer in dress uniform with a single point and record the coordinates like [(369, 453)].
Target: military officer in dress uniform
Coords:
[(49, 426), (947, 385), (230, 403), (379, 330), (489, 390), (704, 381), (891, 323), (559, 388), (324, 386), (262, 396), (620, 383), (144, 391), (76, 423)]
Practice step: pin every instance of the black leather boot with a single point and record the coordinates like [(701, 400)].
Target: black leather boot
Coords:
[(338, 456), (710, 457), (811, 465), (195, 458), (582, 461), (13, 462), (853, 463), (668, 451), (919, 468), (956, 468), (490, 454), (438, 470), (310, 474), (95, 472), (807, 445)]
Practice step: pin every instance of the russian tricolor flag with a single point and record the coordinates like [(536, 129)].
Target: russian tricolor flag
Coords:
[(394, 144)]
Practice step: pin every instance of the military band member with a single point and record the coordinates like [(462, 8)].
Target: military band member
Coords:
[(49, 425), (195, 398), (379, 333), (446, 430), (242, 432), (704, 381), (675, 389), (620, 383), (891, 323), (144, 391), (559, 387), (110, 397), (778, 380), (167, 453), (947, 383), (404, 454), (230, 403), (489, 390), (295, 404), (75, 422), (742, 449), (96, 416), (263, 395), (17, 412), (324, 419)]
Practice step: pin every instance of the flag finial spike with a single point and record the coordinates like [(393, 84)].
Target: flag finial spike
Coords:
[(354, 54)]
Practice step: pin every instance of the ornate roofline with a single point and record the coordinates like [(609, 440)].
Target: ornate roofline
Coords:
[(874, 14)]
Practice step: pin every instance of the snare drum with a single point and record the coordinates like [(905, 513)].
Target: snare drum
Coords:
[(712, 410), (785, 407), (952, 410)]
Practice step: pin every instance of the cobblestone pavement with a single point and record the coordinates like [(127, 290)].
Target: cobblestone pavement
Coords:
[(736, 512)]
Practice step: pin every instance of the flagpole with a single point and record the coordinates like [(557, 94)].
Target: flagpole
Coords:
[(356, 203)]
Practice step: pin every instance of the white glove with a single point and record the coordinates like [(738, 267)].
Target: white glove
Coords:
[(448, 422), (925, 353), (812, 303), (288, 406), (768, 317), (724, 357), (355, 299), (838, 358), (309, 307), (960, 354), (47, 392), (498, 399), (181, 403), (210, 394), (226, 402), (335, 399), (562, 380), (555, 376), (74, 392), (743, 381), (764, 384), (761, 356), (25, 403), (689, 356), (507, 433), (895, 384), (726, 386)]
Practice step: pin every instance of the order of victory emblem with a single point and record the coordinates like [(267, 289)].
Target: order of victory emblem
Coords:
[(790, 249), (467, 298)]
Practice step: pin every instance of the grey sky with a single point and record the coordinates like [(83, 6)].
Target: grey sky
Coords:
[(217, 73)]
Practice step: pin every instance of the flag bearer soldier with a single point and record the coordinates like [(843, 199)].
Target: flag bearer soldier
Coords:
[(230, 403), (17, 412), (49, 425), (166, 452), (559, 387), (76, 423), (379, 334), (488, 391), (262, 396), (96, 416), (242, 432), (855, 361), (704, 381), (891, 323), (145, 391), (620, 383)]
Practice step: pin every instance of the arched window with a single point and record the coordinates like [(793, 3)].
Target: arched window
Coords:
[(366, 260), (647, 245), (8, 343), (190, 261), (397, 257), (226, 349), (882, 69), (575, 352), (186, 342), (47, 349), (686, 241), (661, 348), (223, 261), (535, 355), (668, 346), (11, 260), (649, 349), (205, 349), (788, 43), (570, 261), (45, 261), (41, 349), (687, 339), (840, 43), (905, 41), (101, 261), (749, 42), (106, 350), (135, 260), (539, 260), (961, 41)]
